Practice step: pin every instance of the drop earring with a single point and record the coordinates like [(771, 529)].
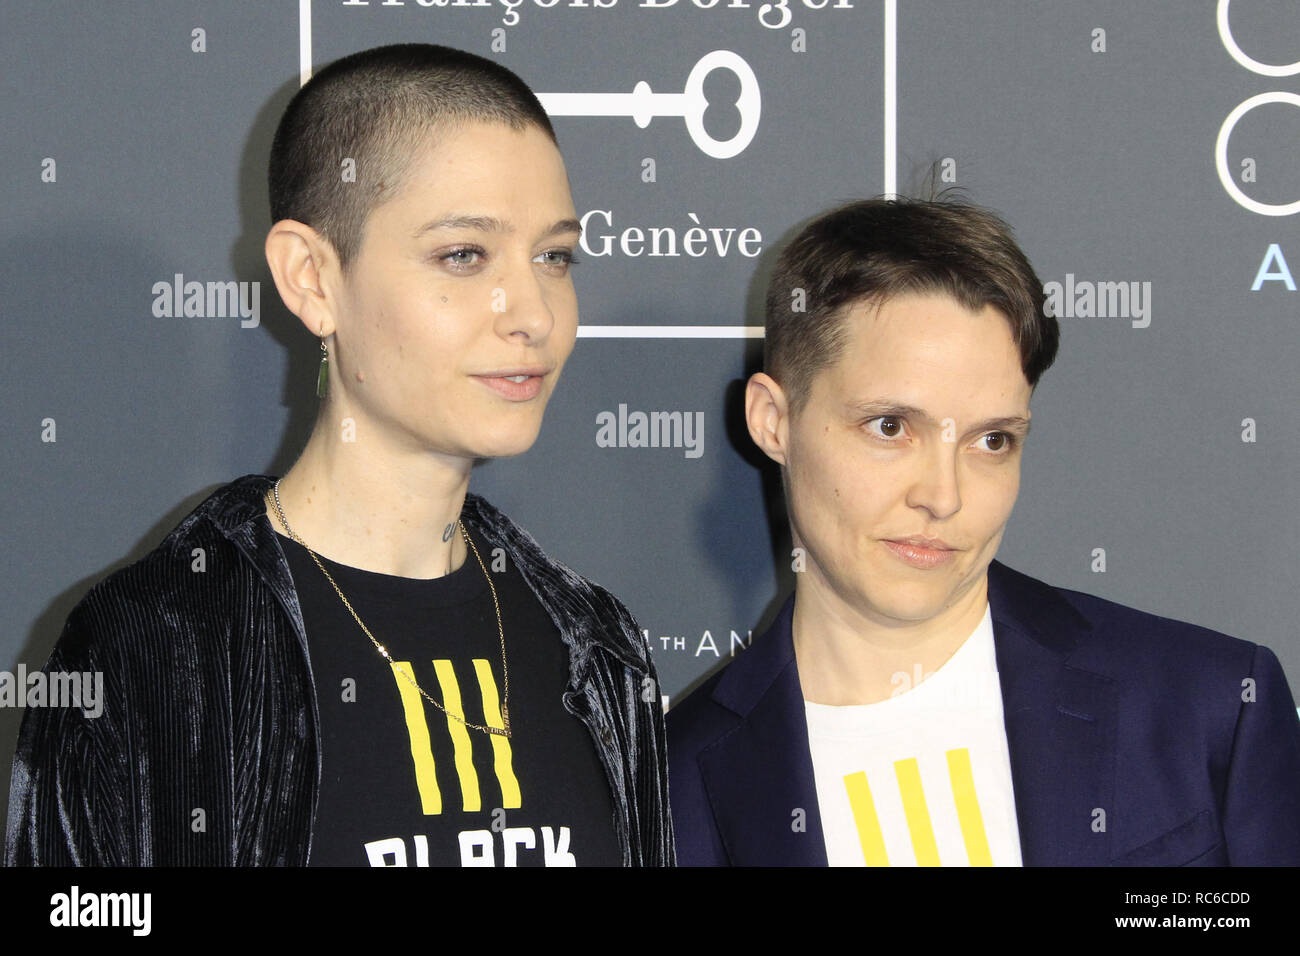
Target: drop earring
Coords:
[(323, 376)]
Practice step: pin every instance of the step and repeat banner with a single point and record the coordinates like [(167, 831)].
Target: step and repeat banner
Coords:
[(1145, 154)]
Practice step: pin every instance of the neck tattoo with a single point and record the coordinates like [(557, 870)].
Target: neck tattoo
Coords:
[(448, 531)]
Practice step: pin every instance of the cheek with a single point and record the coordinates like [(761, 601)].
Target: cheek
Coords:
[(838, 489), (995, 497), (564, 304), (565, 336), (815, 483), (435, 339)]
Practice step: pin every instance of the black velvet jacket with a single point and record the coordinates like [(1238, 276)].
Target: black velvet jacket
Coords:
[(207, 751)]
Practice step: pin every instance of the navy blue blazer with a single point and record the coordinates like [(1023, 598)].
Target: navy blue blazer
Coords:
[(1105, 707)]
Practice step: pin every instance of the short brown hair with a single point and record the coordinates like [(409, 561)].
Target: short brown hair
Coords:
[(873, 250), (376, 107)]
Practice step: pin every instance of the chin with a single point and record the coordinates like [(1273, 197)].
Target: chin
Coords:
[(505, 444), (912, 605)]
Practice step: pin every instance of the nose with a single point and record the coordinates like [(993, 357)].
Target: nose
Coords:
[(522, 307), (936, 486)]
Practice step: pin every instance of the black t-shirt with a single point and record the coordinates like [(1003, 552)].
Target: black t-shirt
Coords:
[(403, 784)]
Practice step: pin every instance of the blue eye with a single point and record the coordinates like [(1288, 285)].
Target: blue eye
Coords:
[(557, 260), (463, 258)]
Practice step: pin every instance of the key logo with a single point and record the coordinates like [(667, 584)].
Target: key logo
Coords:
[(643, 104)]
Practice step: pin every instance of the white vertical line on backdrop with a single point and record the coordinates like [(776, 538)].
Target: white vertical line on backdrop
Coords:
[(304, 42), (891, 98)]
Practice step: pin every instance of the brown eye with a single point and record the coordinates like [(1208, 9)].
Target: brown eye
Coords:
[(886, 427), (998, 442)]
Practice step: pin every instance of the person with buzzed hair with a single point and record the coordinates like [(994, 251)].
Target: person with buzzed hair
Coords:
[(375, 667), (916, 702)]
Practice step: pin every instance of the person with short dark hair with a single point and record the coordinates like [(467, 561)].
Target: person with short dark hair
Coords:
[(916, 702), (361, 662)]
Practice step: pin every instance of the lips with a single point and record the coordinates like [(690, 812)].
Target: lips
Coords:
[(920, 552), (515, 384)]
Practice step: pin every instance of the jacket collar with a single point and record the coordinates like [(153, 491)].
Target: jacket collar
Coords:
[(238, 510), (1060, 722)]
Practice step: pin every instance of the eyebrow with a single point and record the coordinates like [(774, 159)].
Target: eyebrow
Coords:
[(493, 224), (1015, 423)]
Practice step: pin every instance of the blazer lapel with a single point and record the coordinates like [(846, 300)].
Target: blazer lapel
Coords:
[(1061, 722), (759, 777)]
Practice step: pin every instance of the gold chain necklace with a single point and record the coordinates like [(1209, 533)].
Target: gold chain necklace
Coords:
[(503, 731)]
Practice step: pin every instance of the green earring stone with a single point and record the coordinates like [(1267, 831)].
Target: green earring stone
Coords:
[(323, 377)]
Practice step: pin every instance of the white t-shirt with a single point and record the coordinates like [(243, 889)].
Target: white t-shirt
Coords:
[(922, 778)]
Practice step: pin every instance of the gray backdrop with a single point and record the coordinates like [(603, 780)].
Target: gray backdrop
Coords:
[(135, 145)]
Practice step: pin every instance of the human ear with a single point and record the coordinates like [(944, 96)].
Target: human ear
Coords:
[(767, 414), (301, 259)]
